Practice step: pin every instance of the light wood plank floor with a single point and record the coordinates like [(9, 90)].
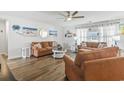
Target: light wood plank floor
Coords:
[(39, 69), (5, 74)]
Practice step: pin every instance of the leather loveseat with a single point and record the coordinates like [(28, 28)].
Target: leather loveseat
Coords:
[(44, 49), (91, 46)]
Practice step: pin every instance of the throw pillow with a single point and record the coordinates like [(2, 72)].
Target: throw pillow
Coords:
[(83, 44), (45, 44), (38, 45), (101, 45)]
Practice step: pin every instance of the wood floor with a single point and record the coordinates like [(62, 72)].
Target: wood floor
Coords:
[(5, 74), (33, 69), (38, 69)]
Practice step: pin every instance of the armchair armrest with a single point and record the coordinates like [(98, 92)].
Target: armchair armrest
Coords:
[(72, 71), (104, 69)]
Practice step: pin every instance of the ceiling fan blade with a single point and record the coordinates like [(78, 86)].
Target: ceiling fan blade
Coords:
[(62, 14), (68, 12), (60, 18), (78, 17), (74, 13)]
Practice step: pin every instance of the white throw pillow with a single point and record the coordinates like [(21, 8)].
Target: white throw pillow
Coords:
[(38, 45), (100, 45), (83, 44)]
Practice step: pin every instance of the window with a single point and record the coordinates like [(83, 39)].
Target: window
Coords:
[(81, 35), (107, 33)]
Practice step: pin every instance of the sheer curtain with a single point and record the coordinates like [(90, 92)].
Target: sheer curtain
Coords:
[(81, 35), (107, 33)]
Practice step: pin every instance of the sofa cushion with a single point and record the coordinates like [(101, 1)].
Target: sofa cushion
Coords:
[(42, 49), (49, 48), (92, 44), (50, 44), (96, 54), (45, 44)]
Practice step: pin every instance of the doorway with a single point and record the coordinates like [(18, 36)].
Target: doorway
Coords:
[(3, 40)]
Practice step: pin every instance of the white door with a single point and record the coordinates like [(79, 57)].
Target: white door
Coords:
[(2, 39)]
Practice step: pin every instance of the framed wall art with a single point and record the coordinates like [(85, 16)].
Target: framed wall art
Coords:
[(53, 33)]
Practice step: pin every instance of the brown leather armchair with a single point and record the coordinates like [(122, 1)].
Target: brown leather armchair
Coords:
[(95, 65)]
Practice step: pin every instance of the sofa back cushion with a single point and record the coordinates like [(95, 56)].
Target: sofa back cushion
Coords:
[(92, 44), (45, 44), (95, 44), (96, 54), (50, 43)]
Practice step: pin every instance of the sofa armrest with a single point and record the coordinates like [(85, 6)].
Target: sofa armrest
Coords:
[(34, 48), (68, 60), (72, 71), (34, 51), (104, 69)]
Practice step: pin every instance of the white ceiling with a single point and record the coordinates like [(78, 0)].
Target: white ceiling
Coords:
[(93, 16), (52, 16)]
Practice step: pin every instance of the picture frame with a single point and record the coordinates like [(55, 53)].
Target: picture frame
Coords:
[(53, 33), (27, 31)]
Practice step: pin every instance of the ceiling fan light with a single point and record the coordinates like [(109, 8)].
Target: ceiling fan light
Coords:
[(69, 18)]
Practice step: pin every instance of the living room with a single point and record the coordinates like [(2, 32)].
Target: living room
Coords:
[(43, 45), (62, 46)]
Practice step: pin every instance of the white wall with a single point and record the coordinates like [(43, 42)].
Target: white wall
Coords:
[(16, 41), (68, 42)]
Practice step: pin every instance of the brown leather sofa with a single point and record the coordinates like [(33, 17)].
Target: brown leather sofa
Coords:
[(95, 65), (90, 46), (46, 48)]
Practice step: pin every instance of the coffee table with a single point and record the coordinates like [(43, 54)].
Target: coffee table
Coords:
[(58, 53)]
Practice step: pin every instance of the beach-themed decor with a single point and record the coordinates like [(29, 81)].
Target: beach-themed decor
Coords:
[(25, 30), (53, 33)]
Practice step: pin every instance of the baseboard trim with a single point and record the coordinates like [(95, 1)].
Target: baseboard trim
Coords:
[(15, 57)]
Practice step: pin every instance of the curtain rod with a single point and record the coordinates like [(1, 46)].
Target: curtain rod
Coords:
[(97, 24)]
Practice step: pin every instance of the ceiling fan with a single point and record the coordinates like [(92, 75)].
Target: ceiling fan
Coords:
[(70, 15)]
